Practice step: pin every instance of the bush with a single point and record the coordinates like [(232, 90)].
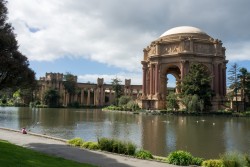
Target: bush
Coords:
[(213, 163), (75, 142), (180, 158), (124, 100), (116, 146), (197, 161), (105, 144), (238, 158), (90, 145), (143, 154), (132, 105)]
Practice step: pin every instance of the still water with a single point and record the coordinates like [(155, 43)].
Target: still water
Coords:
[(203, 136)]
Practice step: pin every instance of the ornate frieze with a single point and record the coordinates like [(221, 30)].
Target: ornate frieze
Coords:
[(203, 48), (170, 48)]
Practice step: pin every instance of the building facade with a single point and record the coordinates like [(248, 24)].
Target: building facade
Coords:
[(88, 94)]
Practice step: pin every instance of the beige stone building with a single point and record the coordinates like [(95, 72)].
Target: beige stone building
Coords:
[(172, 53), (98, 94)]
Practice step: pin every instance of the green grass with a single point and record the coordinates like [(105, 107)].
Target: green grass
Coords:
[(16, 156)]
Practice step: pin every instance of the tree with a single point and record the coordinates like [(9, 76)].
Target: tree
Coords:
[(70, 84), (117, 88), (14, 66), (244, 77), (172, 102), (51, 98), (197, 82), (234, 81)]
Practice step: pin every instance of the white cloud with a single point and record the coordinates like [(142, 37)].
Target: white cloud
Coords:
[(115, 32)]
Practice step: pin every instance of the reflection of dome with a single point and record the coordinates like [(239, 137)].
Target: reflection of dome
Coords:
[(183, 30)]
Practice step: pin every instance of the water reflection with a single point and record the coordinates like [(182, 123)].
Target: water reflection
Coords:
[(202, 136)]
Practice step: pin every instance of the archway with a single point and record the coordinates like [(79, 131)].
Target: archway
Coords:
[(172, 54)]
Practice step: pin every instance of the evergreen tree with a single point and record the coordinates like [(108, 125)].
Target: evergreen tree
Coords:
[(197, 82), (14, 66), (234, 81), (117, 88), (244, 77)]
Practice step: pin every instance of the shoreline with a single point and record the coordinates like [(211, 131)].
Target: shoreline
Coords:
[(58, 147)]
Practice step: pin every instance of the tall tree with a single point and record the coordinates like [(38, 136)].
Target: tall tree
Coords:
[(117, 88), (244, 77), (51, 98), (234, 82), (197, 82), (14, 66)]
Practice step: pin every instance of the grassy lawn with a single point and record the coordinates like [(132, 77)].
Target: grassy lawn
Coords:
[(16, 156)]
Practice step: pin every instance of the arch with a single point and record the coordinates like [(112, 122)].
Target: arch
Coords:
[(172, 54)]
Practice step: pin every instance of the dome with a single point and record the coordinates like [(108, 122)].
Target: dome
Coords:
[(182, 30)]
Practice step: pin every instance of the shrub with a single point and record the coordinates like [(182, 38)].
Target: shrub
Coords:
[(213, 163), (130, 148), (180, 158), (238, 158), (90, 145), (143, 154), (124, 100), (75, 142), (132, 105), (105, 144), (197, 161), (116, 146), (93, 146)]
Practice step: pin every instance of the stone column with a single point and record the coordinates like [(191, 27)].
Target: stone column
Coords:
[(182, 69), (88, 99), (151, 80), (82, 96), (110, 90), (144, 81), (221, 80), (216, 80), (156, 79)]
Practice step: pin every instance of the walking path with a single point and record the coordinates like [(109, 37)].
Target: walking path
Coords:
[(58, 147)]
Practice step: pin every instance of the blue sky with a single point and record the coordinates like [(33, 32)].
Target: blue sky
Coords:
[(106, 38)]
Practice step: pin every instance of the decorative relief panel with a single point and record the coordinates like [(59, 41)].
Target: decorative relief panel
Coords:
[(171, 48), (203, 48), (152, 51), (186, 45)]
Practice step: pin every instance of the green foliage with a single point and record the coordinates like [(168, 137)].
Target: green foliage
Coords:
[(13, 156), (236, 157), (143, 154), (14, 66), (117, 88), (116, 146), (197, 81), (180, 158), (90, 145), (172, 102), (132, 105), (51, 98), (123, 100), (197, 161), (75, 142), (213, 163)]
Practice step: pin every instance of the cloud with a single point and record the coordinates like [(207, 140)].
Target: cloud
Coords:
[(115, 32)]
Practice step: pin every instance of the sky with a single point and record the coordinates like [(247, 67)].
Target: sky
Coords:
[(105, 38)]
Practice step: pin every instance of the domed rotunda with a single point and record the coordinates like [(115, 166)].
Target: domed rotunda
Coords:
[(172, 53)]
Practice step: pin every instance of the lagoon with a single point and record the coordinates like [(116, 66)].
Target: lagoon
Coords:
[(203, 136)]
